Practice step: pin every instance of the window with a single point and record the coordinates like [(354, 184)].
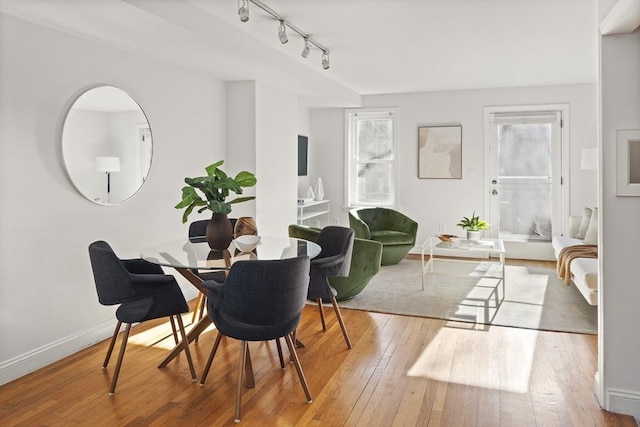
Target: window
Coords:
[(371, 169)]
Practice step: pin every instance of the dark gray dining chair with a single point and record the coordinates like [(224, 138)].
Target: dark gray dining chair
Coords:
[(334, 260), (142, 291), (259, 301)]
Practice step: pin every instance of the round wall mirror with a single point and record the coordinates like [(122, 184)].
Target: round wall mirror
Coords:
[(106, 145)]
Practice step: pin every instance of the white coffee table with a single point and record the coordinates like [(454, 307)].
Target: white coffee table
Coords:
[(465, 258)]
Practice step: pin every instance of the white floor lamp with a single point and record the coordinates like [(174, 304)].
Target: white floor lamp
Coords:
[(108, 165)]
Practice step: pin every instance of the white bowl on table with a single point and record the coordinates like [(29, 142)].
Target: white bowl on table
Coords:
[(247, 242)]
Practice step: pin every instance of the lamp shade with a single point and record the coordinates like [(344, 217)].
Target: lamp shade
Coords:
[(589, 158), (107, 164)]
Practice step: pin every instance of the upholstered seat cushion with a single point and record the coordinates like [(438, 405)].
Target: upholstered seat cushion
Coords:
[(390, 237)]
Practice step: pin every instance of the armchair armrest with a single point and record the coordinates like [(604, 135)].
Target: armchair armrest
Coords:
[(151, 279), (360, 228), (140, 266), (329, 265), (215, 291)]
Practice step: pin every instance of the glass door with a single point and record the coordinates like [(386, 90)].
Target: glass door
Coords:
[(525, 175)]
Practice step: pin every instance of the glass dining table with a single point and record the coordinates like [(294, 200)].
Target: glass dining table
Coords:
[(188, 255)]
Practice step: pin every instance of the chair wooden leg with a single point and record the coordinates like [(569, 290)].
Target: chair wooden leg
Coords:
[(324, 326), (210, 360), (199, 309), (203, 305), (344, 329), (196, 307), (282, 366), (296, 362), (111, 344), (173, 328), (185, 344), (241, 368), (248, 369), (123, 347)]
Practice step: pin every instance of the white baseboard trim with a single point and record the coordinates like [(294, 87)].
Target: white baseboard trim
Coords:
[(40, 357), (623, 402)]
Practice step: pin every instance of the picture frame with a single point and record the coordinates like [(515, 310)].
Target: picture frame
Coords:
[(628, 162), (440, 152)]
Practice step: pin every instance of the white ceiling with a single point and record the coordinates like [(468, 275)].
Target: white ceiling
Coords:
[(377, 46)]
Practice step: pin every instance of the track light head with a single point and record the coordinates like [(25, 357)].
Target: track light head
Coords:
[(282, 32), (307, 48), (243, 11), (325, 60)]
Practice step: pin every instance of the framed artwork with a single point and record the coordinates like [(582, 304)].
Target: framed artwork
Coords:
[(628, 163), (440, 152)]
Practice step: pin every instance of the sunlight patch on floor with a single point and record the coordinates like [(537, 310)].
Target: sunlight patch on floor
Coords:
[(452, 356), (161, 336)]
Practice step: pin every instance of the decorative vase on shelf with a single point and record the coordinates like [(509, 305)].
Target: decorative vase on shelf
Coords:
[(473, 236), (310, 194), (319, 189), (245, 225), (219, 232)]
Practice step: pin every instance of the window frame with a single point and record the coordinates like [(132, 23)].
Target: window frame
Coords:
[(351, 163)]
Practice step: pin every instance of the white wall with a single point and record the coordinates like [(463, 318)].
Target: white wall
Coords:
[(619, 296), (241, 140), (262, 137), (277, 168), (48, 304), (445, 201)]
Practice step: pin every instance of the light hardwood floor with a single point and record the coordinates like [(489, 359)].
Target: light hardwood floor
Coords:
[(402, 371)]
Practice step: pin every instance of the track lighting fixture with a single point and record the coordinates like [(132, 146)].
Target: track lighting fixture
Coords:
[(282, 33), (243, 13), (325, 60), (243, 10), (307, 48)]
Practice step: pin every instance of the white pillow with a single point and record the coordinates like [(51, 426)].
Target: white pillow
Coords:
[(591, 236), (584, 224)]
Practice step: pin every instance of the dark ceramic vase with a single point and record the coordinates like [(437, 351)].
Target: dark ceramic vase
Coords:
[(219, 232)]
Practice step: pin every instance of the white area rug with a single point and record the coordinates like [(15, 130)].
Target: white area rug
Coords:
[(535, 298)]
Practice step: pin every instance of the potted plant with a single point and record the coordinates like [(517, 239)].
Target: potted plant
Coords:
[(215, 187), (473, 226)]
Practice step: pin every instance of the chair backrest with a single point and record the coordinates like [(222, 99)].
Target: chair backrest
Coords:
[(382, 219), (198, 230), (266, 292), (335, 240), (111, 278)]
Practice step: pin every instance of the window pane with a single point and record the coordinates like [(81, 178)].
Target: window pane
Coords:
[(525, 190), (374, 183), (375, 140), (525, 149), (525, 208)]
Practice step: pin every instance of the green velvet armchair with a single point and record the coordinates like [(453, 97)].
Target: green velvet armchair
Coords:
[(396, 231), (365, 262)]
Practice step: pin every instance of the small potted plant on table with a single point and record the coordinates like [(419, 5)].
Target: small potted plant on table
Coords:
[(473, 225), (215, 187)]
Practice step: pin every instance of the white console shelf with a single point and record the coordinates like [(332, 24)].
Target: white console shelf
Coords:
[(314, 213)]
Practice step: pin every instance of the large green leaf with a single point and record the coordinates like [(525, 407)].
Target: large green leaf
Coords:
[(246, 179), (241, 199), (220, 207), (211, 169)]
